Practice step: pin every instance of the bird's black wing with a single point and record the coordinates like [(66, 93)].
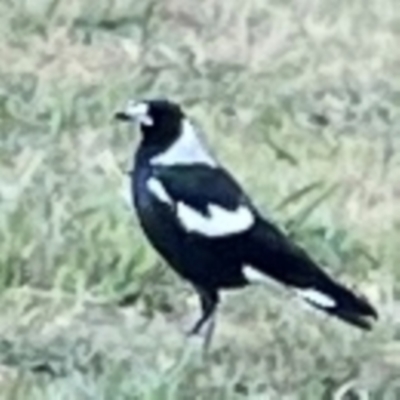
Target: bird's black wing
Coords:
[(197, 217), (264, 247), (199, 186)]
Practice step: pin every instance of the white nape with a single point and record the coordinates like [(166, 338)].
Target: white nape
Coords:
[(218, 223), (187, 149), (316, 297), (158, 190)]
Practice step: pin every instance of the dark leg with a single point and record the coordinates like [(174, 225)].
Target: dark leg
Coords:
[(208, 301)]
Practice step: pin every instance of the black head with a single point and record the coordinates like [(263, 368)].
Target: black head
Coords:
[(159, 120)]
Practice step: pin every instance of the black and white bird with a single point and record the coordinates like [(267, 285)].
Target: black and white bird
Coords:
[(207, 229)]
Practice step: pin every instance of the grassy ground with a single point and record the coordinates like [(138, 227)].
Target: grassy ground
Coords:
[(300, 98)]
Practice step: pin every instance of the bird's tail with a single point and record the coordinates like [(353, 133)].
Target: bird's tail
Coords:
[(274, 255), (340, 302)]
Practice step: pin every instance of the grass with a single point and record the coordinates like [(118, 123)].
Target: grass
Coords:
[(299, 99)]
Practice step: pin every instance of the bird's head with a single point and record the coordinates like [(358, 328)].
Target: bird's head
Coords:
[(159, 120)]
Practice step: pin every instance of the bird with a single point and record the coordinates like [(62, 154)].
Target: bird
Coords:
[(204, 225)]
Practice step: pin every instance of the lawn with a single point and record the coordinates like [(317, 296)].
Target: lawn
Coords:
[(299, 98)]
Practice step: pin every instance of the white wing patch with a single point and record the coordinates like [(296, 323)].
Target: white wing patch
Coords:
[(254, 276), (187, 149), (316, 297), (158, 190), (220, 222), (313, 296)]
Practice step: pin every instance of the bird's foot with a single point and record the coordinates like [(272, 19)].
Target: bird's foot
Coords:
[(202, 333)]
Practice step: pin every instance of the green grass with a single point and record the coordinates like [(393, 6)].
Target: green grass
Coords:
[(299, 98)]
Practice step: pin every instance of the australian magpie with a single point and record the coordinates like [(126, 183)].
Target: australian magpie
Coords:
[(207, 229)]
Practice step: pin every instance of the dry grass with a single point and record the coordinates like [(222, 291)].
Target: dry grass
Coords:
[(299, 98)]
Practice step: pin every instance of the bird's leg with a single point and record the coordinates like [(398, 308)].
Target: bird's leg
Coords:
[(206, 323)]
